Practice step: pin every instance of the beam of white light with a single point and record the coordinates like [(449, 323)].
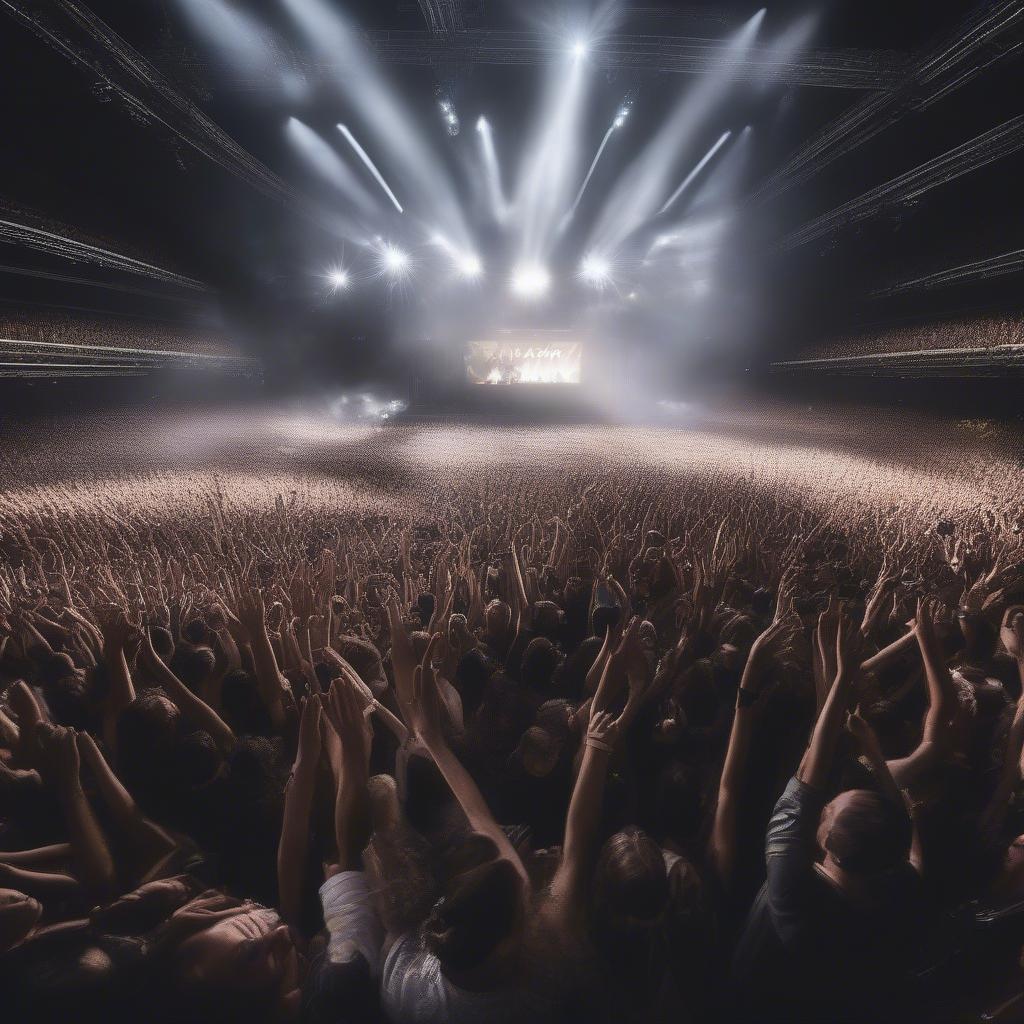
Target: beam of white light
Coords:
[(240, 39), (412, 162), (549, 161), (721, 190), (703, 162), (596, 270), (467, 264), (579, 49), (640, 190), (620, 120), (530, 280), (318, 153), (492, 172), (371, 166)]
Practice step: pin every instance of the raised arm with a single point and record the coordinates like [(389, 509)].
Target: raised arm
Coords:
[(724, 831), (817, 760), (196, 710), (252, 615), (425, 721), (92, 859), (584, 816), (298, 801)]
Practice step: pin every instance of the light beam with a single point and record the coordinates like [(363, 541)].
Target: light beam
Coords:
[(371, 166), (702, 163)]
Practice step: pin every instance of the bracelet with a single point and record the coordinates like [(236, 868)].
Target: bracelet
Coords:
[(745, 697), (599, 744)]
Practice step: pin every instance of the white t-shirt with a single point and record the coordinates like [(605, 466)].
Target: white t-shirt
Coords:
[(414, 991)]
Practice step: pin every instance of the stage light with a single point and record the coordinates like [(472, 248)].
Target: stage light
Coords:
[(339, 280), (640, 190), (469, 266), (499, 207), (530, 280), (394, 261), (451, 118), (596, 270), (579, 49), (371, 166)]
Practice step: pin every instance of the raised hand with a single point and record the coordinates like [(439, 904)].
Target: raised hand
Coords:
[(1011, 632), (425, 709), (309, 731)]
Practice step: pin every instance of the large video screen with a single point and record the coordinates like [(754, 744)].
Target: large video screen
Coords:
[(529, 360)]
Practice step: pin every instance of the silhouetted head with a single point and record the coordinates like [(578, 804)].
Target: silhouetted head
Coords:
[(478, 917), (863, 833), (538, 752), (497, 615), (194, 665), (55, 667), (163, 642), (631, 887), (540, 659), (547, 619), (606, 616)]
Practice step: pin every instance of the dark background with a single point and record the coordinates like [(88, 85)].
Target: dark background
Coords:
[(75, 155)]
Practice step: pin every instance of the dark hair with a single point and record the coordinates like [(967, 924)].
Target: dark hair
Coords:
[(68, 700), (869, 835), (630, 882), (163, 642), (570, 679), (195, 631), (193, 665), (243, 709), (547, 619), (540, 659), (630, 915), (425, 606), (147, 731), (195, 759), (471, 675), (480, 909), (605, 616), (54, 667)]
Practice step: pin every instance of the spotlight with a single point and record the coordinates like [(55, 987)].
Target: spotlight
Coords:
[(339, 280), (596, 270), (579, 49), (469, 266), (394, 261), (530, 280)]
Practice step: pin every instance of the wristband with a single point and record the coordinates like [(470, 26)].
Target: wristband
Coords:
[(598, 744), (745, 697)]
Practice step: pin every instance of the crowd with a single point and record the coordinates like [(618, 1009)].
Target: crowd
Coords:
[(64, 329), (627, 756), (984, 332)]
